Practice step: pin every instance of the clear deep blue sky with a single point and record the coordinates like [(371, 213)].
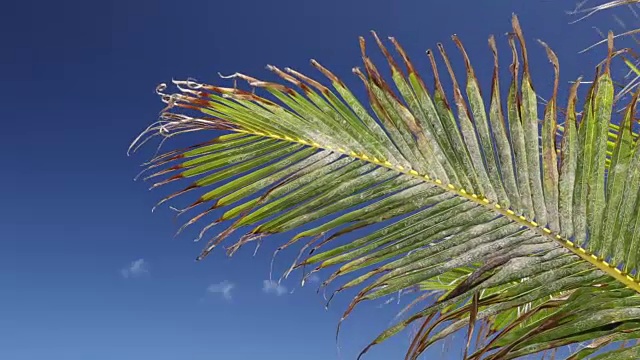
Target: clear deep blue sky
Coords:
[(77, 85)]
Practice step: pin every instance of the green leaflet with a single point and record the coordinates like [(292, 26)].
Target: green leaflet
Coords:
[(396, 185), (416, 119), (588, 302), (317, 116), (429, 196), (249, 151), (498, 126), (242, 167), (549, 157), (596, 192), (589, 322), (452, 130), (456, 245), (519, 268), (223, 142), (392, 153), (536, 348), (294, 198), (447, 280), (517, 138), (214, 161), (430, 119), (243, 189), (586, 138), (481, 124), (400, 142), (250, 116), (394, 283), (617, 175), (309, 164), (632, 239), (432, 228), (568, 158), (400, 126), (243, 182), (529, 113), (310, 175), (625, 220), (284, 221), (469, 133)]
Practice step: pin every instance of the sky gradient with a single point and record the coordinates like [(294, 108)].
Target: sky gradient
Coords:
[(87, 271)]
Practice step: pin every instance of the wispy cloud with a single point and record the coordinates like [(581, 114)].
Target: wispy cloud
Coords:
[(272, 287), (224, 288), (136, 268)]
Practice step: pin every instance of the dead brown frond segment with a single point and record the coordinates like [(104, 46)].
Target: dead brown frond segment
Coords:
[(404, 56), (472, 322), (523, 48), (465, 56)]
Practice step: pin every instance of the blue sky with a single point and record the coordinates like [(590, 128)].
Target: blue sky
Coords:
[(86, 270)]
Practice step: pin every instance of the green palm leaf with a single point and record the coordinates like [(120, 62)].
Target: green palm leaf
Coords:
[(523, 235)]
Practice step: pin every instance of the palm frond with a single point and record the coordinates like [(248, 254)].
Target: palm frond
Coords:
[(523, 235)]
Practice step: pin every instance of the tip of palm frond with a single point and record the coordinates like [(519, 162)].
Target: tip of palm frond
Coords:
[(550, 53), (323, 89), (515, 62), (465, 56), (214, 242), (436, 78), (366, 349), (553, 59), (392, 63), (448, 65), (457, 93), (205, 229), (333, 78), (286, 77), (519, 35), (272, 85), (171, 123), (610, 50), (356, 70), (193, 220), (167, 181), (252, 236), (404, 56), (238, 76)]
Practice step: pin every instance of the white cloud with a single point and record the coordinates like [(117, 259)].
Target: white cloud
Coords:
[(272, 287), (137, 268), (224, 288)]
